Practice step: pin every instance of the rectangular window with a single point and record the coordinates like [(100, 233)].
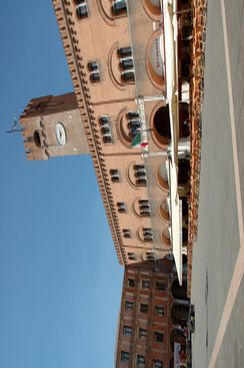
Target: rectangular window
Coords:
[(140, 174), (150, 256), (93, 68), (92, 65), (160, 286), (147, 234), (145, 284), (107, 139), (158, 336), (126, 233), (95, 77), (81, 10), (128, 76), (125, 356), (121, 207), (104, 121), (134, 126), (114, 175), (125, 59), (131, 256), (128, 305), (144, 308), (157, 364), (141, 361), (159, 311), (142, 333), (105, 129), (144, 207), (126, 63), (119, 7), (123, 52), (127, 330), (131, 282)]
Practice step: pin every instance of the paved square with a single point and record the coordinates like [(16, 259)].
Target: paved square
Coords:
[(217, 286)]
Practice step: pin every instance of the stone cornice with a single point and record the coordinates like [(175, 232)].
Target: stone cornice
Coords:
[(81, 87)]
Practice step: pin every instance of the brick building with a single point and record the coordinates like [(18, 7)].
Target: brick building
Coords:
[(153, 314)]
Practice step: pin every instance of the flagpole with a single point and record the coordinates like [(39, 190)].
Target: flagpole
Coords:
[(147, 154)]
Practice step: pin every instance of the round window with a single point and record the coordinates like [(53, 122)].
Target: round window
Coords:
[(60, 134)]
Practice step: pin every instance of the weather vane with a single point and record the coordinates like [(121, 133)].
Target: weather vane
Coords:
[(14, 127)]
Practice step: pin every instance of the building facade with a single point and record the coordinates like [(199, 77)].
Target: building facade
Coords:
[(115, 52), (153, 316), (119, 113)]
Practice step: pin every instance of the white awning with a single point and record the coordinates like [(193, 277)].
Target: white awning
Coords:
[(170, 39), (176, 221)]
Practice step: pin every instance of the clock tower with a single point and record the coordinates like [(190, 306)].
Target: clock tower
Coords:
[(53, 127)]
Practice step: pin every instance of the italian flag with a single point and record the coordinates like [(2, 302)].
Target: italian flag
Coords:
[(137, 141)]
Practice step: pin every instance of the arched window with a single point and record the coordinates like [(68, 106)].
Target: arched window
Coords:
[(137, 175), (126, 64), (142, 207), (128, 126), (37, 138)]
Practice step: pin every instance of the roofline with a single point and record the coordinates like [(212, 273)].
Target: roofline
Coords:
[(82, 92)]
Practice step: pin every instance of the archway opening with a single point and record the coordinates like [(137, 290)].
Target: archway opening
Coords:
[(184, 235), (161, 125), (179, 292), (184, 207), (183, 171), (179, 314), (184, 259), (184, 129)]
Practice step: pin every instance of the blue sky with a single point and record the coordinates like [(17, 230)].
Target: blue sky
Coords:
[(60, 281)]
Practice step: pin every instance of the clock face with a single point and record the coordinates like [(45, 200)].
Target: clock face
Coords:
[(60, 134)]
